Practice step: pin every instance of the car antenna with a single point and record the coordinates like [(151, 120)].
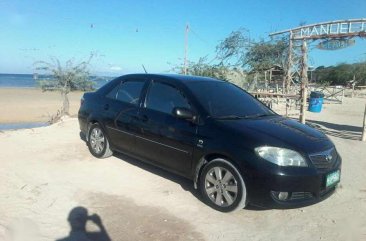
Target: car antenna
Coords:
[(144, 69)]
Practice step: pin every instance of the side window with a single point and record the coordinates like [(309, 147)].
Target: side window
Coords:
[(129, 91), (164, 98), (113, 93)]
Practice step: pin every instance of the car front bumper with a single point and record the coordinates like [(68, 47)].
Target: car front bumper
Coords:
[(301, 187)]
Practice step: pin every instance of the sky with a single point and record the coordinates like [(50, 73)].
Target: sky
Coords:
[(124, 34)]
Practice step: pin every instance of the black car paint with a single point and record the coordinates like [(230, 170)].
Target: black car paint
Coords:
[(159, 138)]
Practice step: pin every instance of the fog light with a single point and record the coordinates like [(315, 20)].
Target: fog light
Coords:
[(282, 196)]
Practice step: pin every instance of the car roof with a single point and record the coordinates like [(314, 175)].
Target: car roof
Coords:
[(176, 77)]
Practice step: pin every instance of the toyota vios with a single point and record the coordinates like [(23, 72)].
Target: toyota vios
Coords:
[(235, 149)]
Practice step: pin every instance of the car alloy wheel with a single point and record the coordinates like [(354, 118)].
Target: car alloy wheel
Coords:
[(98, 142), (222, 186)]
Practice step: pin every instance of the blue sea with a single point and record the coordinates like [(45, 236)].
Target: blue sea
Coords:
[(27, 81)]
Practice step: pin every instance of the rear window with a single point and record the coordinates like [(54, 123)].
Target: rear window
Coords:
[(128, 91)]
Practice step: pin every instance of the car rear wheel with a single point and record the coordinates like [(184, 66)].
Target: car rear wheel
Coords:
[(98, 143), (222, 186)]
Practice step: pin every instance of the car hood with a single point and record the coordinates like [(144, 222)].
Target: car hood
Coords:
[(282, 132)]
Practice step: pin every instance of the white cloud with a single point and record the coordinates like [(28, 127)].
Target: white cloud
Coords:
[(115, 68)]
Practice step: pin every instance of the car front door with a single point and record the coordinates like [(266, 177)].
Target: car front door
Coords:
[(164, 138)]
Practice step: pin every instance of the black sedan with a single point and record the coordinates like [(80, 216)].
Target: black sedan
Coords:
[(235, 149)]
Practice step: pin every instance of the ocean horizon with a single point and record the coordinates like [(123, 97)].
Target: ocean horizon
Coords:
[(28, 81)]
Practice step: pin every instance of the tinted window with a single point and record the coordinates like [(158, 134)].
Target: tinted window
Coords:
[(128, 91), (222, 99), (113, 93), (164, 98)]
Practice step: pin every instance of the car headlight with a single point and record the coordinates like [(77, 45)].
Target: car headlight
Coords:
[(281, 156)]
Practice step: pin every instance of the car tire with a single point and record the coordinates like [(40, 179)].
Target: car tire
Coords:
[(222, 186), (98, 143)]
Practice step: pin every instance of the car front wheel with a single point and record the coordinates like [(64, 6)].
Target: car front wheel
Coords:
[(98, 143), (222, 186)]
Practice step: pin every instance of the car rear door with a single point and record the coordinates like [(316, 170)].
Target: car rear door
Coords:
[(162, 137), (122, 108)]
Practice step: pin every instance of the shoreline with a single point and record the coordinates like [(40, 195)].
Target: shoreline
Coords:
[(19, 87), (31, 105), (22, 125)]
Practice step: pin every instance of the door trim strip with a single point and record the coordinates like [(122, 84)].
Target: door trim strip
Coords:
[(159, 143), (120, 131), (162, 144)]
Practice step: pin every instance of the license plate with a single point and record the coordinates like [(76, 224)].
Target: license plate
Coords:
[(333, 178)]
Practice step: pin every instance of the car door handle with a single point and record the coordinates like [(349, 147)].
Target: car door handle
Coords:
[(106, 106), (144, 118)]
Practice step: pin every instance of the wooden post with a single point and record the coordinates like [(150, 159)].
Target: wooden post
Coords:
[(256, 81), (304, 80), (342, 96), (265, 81), (270, 75), (289, 66), (186, 48), (353, 86), (363, 138)]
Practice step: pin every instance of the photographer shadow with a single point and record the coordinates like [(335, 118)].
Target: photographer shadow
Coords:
[(78, 218)]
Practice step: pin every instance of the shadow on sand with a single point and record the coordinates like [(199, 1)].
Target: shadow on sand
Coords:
[(78, 218), (185, 183), (336, 130)]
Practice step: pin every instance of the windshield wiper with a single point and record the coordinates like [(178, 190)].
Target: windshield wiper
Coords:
[(229, 117), (237, 117), (257, 115)]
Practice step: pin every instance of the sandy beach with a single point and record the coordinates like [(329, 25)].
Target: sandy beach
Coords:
[(46, 172), (32, 105)]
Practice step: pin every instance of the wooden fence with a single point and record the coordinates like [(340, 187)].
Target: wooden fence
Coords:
[(332, 94)]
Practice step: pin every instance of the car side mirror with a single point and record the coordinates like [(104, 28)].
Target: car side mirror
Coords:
[(184, 113)]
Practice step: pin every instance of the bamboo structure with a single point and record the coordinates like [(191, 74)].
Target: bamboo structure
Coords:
[(304, 80), (288, 78), (297, 60)]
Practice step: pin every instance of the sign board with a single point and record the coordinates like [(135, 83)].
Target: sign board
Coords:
[(334, 44), (331, 29), (334, 29)]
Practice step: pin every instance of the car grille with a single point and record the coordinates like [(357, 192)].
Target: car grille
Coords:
[(324, 160), (301, 195)]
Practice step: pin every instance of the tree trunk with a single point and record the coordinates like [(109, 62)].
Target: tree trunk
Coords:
[(66, 104)]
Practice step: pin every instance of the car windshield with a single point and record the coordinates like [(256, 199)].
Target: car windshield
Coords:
[(223, 100)]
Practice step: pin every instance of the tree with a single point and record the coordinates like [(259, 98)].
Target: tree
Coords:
[(238, 50), (203, 68), (231, 51), (64, 79), (238, 55), (264, 55), (342, 73)]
